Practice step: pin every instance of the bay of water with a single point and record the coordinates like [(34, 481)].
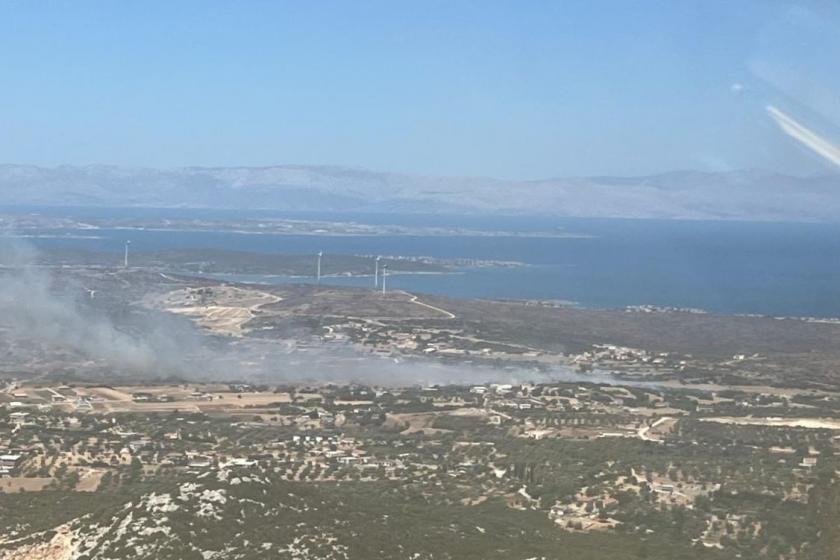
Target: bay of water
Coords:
[(726, 267)]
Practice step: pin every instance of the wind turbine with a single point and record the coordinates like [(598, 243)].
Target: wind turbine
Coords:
[(384, 275), (376, 274), (125, 257), (318, 268)]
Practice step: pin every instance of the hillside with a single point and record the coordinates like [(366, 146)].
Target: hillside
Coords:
[(754, 195)]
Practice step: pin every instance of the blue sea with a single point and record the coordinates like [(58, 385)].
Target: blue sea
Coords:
[(727, 267)]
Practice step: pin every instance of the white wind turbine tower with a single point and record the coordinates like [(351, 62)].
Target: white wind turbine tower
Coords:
[(376, 274), (318, 268), (384, 275), (125, 255)]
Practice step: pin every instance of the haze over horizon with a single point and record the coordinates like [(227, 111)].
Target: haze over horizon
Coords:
[(733, 195), (818, 171), (504, 90)]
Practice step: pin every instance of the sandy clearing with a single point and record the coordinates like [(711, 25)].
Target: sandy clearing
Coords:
[(417, 422), (761, 389), (222, 320), (107, 393), (469, 411), (89, 480), (250, 399), (179, 406), (14, 484), (213, 397), (812, 423), (174, 390), (220, 309)]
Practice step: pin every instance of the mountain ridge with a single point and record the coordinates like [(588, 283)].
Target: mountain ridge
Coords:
[(681, 194)]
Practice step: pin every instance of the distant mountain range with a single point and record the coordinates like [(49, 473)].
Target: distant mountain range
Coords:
[(754, 195)]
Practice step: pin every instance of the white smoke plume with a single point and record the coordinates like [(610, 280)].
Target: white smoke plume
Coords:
[(41, 305)]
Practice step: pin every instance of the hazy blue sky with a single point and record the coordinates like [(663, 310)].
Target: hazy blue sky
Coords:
[(512, 89)]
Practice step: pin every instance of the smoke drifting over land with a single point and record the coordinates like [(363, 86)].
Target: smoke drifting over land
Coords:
[(39, 305), (51, 308)]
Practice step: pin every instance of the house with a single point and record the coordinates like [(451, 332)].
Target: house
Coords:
[(138, 444), (240, 462), (10, 461), (199, 462), (174, 458), (501, 388), (83, 404)]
